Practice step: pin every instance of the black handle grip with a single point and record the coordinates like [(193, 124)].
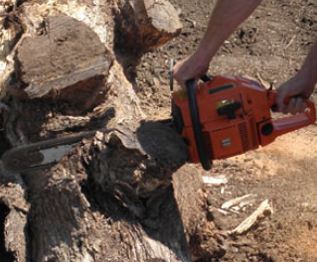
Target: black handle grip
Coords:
[(274, 108), (206, 78), (194, 113)]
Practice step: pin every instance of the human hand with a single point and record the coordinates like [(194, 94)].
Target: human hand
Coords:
[(297, 89), (192, 67)]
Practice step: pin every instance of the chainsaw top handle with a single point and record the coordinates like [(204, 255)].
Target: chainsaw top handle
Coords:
[(194, 113)]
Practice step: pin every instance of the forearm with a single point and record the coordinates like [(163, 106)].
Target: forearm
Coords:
[(309, 67), (226, 17)]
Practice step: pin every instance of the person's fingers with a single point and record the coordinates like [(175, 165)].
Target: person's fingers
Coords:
[(295, 87), (286, 90), (303, 107), (295, 105), (177, 74), (298, 105), (290, 108), (192, 67), (281, 95)]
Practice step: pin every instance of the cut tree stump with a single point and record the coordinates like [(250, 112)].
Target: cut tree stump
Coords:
[(113, 196)]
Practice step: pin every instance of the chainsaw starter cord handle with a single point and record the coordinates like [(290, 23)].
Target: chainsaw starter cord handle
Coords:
[(194, 113)]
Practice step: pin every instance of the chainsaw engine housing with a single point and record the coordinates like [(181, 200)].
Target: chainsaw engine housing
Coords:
[(234, 117)]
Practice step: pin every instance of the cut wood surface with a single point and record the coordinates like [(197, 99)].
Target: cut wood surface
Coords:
[(68, 53)]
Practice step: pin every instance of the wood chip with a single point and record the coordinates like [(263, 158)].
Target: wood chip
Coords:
[(264, 210), (239, 201), (215, 181), (265, 83), (290, 42)]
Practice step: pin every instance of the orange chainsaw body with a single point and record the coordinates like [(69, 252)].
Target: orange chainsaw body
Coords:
[(234, 117)]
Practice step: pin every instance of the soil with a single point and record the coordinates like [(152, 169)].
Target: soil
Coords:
[(270, 47)]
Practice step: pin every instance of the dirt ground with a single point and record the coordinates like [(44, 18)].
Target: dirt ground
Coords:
[(270, 46)]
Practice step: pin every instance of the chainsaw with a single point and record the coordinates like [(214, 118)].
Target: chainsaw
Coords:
[(222, 117), (225, 116)]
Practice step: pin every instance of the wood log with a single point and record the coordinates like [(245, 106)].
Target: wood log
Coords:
[(70, 47), (111, 198), (146, 25)]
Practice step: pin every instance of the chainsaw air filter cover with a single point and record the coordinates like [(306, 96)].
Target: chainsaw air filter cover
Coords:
[(228, 116)]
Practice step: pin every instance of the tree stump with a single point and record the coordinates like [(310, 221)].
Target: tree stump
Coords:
[(112, 197)]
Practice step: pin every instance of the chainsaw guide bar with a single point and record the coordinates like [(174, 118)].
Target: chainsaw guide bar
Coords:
[(42, 154)]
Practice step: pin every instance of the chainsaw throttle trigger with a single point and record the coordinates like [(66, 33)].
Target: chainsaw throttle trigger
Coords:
[(194, 113), (229, 110)]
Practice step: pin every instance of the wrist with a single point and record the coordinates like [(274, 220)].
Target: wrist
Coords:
[(308, 76), (201, 58), (206, 50)]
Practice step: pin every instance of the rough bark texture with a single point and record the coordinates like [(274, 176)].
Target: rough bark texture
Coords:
[(13, 218), (111, 198)]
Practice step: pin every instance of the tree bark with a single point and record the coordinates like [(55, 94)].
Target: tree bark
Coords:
[(117, 196)]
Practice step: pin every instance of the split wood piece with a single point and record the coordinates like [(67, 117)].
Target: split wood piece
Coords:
[(147, 24), (264, 210), (265, 83), (239, 201), (11, 31), (215, 181)]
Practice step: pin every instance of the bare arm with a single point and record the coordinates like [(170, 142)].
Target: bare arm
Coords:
[(300, 86), (226, 17), (310, 65)]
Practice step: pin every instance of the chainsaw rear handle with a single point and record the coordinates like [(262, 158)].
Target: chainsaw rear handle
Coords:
[(194, 113), (291, 123)]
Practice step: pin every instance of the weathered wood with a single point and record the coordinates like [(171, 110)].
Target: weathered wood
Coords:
[(204, 239), (146, 25), (13, 214), (239, 202)]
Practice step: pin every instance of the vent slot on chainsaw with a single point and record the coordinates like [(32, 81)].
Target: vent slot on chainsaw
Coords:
[(243, 131)]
